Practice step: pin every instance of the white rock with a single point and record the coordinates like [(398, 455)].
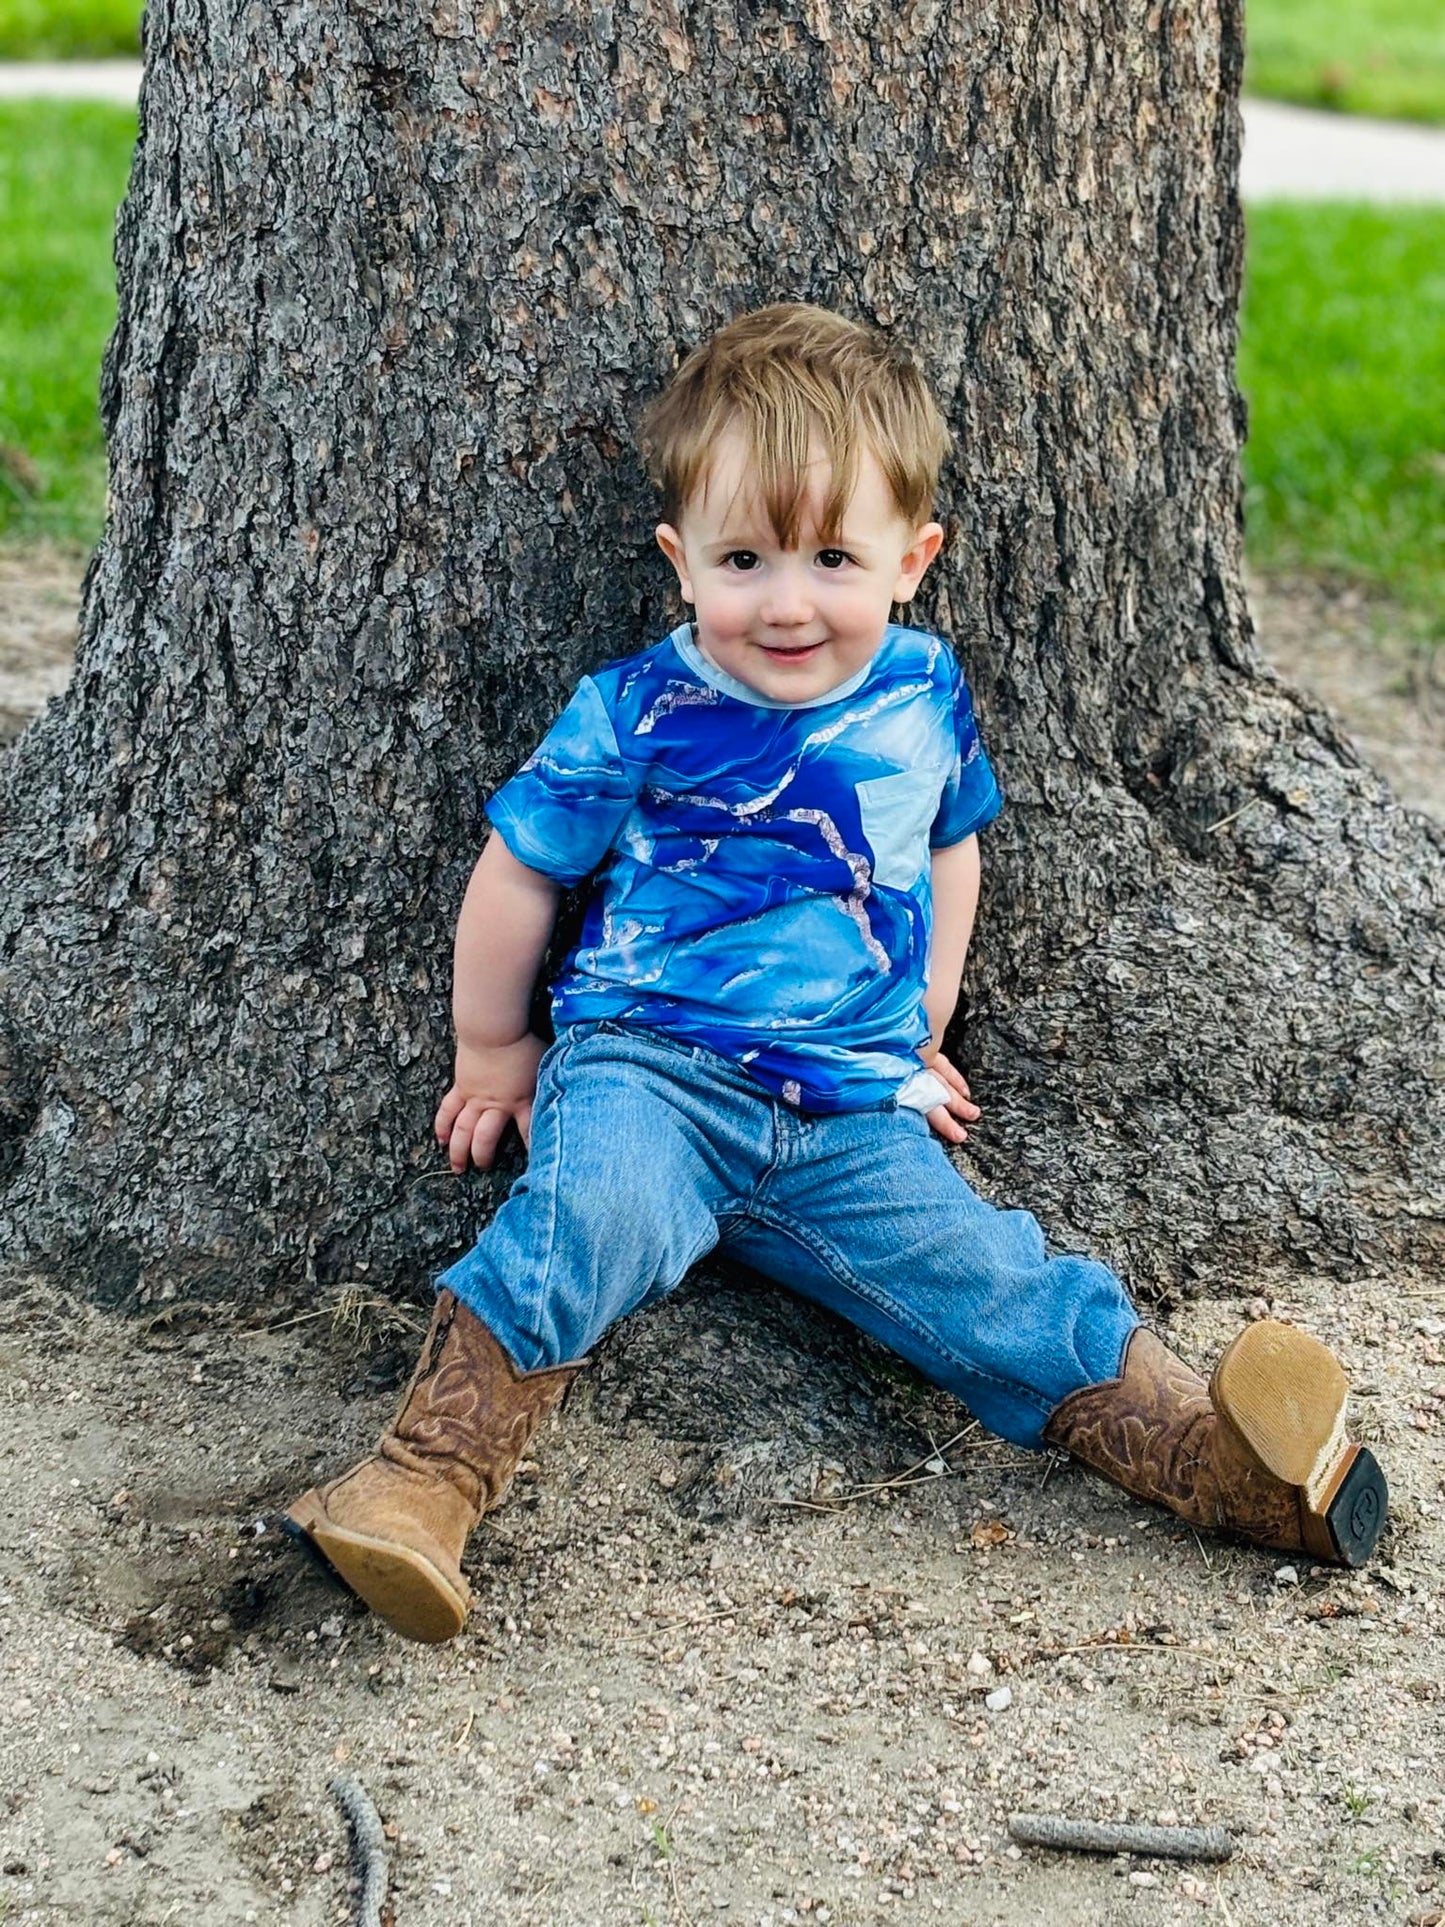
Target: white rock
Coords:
[(1000, 1699), (980, 1665), (1287, 1576), (1143, 1880)]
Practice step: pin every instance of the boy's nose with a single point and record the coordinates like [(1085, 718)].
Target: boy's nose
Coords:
[(787, 601)]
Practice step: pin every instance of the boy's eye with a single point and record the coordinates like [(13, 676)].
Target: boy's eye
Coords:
[(833, 558), (741, 559)]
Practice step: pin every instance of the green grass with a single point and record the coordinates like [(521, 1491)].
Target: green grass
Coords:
[(1343, 361), (1383, 57), (69, 29), (63, 169)]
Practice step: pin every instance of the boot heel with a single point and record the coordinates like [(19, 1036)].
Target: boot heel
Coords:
[(1355, 1515)]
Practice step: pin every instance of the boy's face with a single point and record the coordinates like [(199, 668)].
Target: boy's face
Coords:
[(794, 623)]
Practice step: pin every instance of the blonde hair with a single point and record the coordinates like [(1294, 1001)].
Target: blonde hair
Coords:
[(793, 378)]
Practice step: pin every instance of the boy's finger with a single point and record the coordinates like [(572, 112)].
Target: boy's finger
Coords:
[(486, 1136), (446, 1116), (949, 1072), (947, 1126), (459, 1147), (958, 1081), (524, 1122)]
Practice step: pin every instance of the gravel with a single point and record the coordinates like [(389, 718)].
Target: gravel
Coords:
[(660, 1712)]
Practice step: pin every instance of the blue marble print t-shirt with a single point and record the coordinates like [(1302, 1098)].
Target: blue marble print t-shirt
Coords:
[(762, 867)]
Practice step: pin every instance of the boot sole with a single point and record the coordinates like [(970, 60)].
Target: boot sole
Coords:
[(1283, 1393), (399, 1585)]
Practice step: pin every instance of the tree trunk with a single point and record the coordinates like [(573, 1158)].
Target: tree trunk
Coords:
[(392, 289)]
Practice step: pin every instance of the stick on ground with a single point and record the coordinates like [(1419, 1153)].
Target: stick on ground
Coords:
[(368, 1845), (1092, 1836)]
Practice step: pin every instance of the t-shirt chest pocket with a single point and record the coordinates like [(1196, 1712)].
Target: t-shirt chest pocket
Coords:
[(897, 814)]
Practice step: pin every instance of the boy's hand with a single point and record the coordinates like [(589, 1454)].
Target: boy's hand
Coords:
[(945, 1118), (493, 1087)]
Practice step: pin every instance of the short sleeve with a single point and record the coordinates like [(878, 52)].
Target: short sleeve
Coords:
[(971, 796), (562, 809)]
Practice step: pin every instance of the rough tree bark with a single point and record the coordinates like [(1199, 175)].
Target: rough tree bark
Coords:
[(392, 286)]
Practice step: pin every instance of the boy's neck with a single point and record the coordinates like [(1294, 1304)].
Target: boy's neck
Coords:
[(730, 685)]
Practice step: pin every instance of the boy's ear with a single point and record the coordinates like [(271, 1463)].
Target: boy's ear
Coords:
[(927, 541), (670, 542)]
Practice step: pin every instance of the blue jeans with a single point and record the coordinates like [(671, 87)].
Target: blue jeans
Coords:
[(648, 1153)]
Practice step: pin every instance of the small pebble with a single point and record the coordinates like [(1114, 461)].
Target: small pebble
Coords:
[(980, 1665), (1287, 1576), (1143, 1880), (1000, 1699)]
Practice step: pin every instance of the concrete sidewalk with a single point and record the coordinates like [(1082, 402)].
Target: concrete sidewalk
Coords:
[(1290, 153), (1297, 154), (117, 80)]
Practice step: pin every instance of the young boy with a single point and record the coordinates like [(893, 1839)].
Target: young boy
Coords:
[(779, 806)]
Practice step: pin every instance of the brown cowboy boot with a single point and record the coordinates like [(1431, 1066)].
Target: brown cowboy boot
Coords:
[(394, 1526), (1261, 1451)]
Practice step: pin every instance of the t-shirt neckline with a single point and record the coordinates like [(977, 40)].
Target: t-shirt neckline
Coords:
[(684, 640)]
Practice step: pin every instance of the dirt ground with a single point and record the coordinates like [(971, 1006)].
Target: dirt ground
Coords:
[(671, 1707)]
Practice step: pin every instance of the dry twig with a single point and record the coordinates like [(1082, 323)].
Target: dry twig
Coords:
[(676, 1625), (368, 1845), (896, 1482), (1093, 1836)]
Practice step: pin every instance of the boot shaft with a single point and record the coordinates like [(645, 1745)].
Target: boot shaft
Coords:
[(469, 1414)]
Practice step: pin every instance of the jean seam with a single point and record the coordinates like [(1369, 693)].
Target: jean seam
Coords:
[(749, 1207), (541, 1272), (838, 1270)]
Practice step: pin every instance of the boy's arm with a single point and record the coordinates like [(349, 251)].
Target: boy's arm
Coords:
[(505, 924), (955, 877), (955, 874)]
